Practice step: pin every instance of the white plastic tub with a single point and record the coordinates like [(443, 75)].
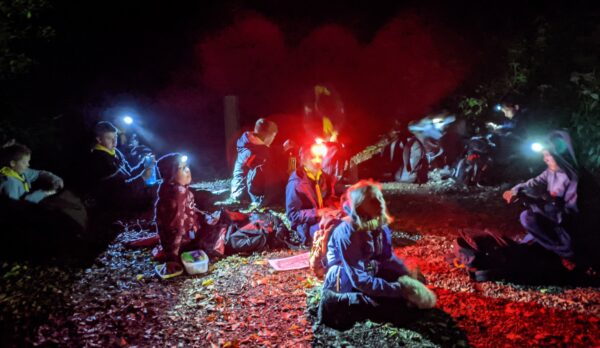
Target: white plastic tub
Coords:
[(195, 261)]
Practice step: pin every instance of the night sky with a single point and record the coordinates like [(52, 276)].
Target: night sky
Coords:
[(170, 64)]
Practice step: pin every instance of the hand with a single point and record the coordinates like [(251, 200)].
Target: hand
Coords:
[(147, 173), (416, 293), (509, 196), (49, 193), (57, 183), (326, 212)]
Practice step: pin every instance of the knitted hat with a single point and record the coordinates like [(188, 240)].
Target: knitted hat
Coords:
[(168, 166)]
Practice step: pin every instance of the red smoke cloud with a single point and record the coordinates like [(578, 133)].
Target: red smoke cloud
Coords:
[(409, 66)]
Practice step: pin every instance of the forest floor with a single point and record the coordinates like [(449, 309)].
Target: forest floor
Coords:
[(120, 302)]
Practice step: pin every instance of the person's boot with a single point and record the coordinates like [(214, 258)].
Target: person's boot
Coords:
[(341, 310)]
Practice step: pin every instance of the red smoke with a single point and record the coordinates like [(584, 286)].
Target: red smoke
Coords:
[(409, 66)]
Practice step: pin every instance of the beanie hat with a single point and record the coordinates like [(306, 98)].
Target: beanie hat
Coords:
[(168, 166)]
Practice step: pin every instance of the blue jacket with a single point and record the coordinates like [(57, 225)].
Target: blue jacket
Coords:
[(14, 189), (301, 199), (251, 152), (357, 258)]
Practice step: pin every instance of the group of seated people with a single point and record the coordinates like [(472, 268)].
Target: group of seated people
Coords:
[(363, 275)]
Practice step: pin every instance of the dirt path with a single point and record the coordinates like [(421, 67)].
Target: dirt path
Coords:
[(241, 302)]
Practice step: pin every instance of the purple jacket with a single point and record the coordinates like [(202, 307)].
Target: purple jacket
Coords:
[(558, 185)]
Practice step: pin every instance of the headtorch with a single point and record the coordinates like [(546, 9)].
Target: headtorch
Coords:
[(498, 107), (318, 150), (537, 147), (183, 159), (128, 120)]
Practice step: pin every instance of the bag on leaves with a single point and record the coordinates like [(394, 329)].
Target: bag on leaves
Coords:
[(249, 238), (487, 257)]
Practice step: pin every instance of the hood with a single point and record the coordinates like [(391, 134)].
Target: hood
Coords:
[(561, 147), (248, 138)]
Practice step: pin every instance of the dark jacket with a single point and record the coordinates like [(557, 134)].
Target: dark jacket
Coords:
[(301, 199), (113, 178), (175, 214), (251, 153), (359, 260)]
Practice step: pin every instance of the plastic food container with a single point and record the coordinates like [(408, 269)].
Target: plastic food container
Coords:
[(195, 261)]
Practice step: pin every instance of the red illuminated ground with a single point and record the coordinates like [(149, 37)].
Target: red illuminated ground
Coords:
[(119, 302)]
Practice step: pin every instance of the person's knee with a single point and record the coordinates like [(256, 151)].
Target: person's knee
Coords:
[(527, 219)]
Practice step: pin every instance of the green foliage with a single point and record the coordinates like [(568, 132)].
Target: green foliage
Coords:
[(21, 27), (585, 120)]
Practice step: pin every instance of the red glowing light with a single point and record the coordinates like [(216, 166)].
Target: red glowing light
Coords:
[(318, 150)]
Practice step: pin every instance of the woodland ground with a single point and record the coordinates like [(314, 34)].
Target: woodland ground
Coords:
[(118, 301)]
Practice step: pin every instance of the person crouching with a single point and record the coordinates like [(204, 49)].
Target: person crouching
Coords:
[(365, 279), (175, 210)]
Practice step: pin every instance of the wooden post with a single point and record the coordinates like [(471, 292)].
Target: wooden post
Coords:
[(232, 125)]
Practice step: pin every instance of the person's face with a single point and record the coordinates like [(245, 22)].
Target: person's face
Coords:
[(313, 164), (269, 139), (184, 175), (108, 140), (509, 111), (371, 208), (550, 162), (21, 165)]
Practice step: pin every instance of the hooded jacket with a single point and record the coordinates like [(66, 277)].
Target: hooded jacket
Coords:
[(251, 152), (301, 203), (563, 183), (175, 213), (358, 256), (15, 189)]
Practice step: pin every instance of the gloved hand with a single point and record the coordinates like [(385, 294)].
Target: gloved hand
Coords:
[(415, 292)]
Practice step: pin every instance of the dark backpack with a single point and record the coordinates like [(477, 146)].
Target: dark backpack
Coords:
[(487, 256)]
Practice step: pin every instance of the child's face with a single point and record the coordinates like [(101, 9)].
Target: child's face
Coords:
[(21, 165), (312, 164), (550, 162), (108, 140), (371, 208), (184, 175)]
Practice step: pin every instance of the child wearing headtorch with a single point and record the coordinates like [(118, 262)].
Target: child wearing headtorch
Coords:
[(117, 185), (365, 279), (309, 194), (565, 204), (175, 209)]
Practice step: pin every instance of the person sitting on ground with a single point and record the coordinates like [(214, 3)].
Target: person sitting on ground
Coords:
[(114, 180), (309, 195), (562, 205), (252, 171), (365, 279), (175, 209), (16, 177)]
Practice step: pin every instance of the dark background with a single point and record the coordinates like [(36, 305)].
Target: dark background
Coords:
[(170, 63)]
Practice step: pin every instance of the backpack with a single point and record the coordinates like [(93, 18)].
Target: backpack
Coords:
[(487, 256), (318, 251), (247, 239)]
